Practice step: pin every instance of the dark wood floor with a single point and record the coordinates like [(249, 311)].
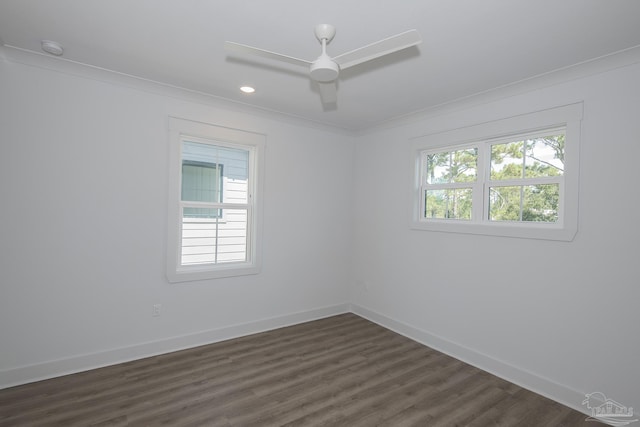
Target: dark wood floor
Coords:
[(339, 371)]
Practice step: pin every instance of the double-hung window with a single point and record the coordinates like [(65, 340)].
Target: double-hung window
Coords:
[(214, 194), (515, 177)]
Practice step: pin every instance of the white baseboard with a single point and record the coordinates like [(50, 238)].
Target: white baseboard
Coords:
[(55, 368), (528, 380), (536, 383)]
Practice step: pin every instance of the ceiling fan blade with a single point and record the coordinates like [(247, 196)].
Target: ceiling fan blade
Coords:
[(237, 47), (378, 49), (328, 92)]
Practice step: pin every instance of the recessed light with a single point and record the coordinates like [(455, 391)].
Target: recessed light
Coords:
[(52, 47), (247, 89)]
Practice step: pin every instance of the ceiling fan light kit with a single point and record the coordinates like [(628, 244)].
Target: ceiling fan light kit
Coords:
[(325, 69)]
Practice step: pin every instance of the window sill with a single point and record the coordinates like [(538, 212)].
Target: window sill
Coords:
[(523, 231), (204, 272)]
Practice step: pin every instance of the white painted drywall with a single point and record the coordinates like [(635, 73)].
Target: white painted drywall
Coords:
[(566, 312), (83, 190)]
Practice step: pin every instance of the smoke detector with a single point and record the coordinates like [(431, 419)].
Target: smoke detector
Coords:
[(52, 47)]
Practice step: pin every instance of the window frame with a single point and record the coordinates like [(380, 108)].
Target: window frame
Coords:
[(567, 117), (179, 131)]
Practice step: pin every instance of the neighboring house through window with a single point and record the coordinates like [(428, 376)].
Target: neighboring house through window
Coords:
[(201, 182)]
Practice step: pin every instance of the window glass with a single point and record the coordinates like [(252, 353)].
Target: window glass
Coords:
[(451, 203), (544, 156), (210, 240), (537, 203), (451, 166), (528, 158), (506, 161), (201, 182)]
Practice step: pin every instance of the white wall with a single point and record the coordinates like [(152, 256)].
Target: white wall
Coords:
[(558, 317), (83, 179)]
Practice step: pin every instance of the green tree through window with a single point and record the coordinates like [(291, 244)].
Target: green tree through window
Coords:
[(450, 173), (530, 164)]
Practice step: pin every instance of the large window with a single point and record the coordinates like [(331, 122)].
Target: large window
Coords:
[(520, 181), (213, 201)]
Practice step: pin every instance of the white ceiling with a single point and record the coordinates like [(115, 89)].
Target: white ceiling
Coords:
[(469, 46)]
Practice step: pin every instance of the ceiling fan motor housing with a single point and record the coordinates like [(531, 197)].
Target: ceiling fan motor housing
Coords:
[(324, 69)]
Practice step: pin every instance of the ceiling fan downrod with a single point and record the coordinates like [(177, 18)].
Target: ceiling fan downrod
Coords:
[(324, 69)]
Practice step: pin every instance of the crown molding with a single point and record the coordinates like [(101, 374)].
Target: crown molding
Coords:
[(584, 69), (66, 66)]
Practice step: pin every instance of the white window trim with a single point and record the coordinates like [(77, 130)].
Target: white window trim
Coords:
[(256, 143), (568, 117)]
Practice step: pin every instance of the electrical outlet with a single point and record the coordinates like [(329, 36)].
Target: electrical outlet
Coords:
[(156, 310), (362, 285)]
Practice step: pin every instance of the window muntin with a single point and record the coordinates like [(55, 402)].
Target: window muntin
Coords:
[(214, 224)]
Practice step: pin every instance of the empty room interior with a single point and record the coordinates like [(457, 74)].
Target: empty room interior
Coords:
[(413, 213)]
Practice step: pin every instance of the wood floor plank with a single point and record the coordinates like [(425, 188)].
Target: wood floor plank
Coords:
[(338, 371)]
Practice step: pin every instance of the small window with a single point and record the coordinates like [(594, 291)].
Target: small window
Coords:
[(522, 183), (214, 224)]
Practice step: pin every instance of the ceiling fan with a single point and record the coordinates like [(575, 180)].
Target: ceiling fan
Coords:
[(325, 69)]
